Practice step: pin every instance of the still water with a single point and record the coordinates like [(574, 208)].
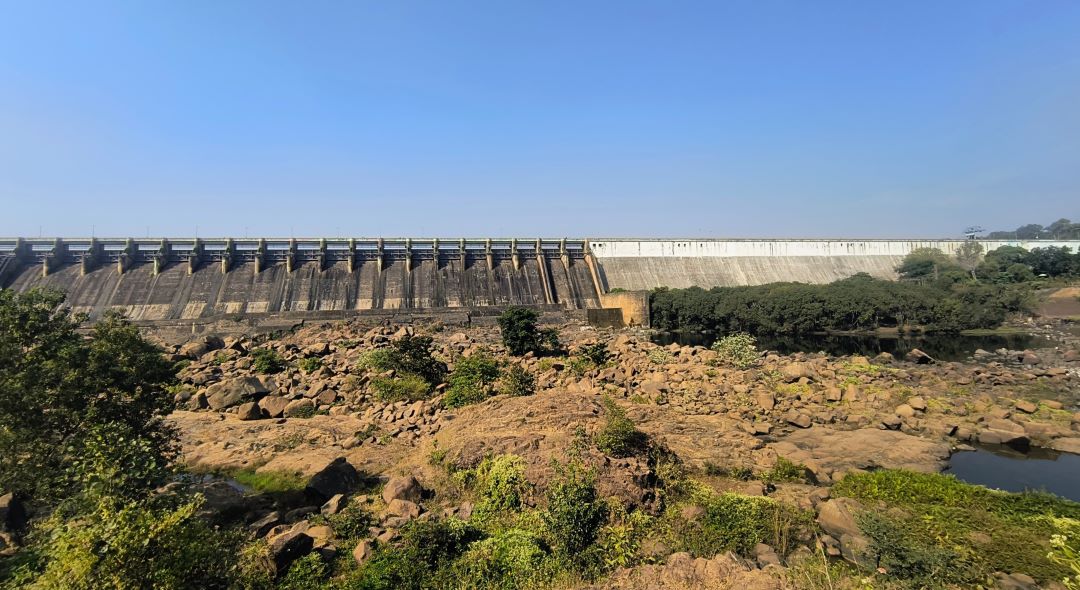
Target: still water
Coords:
[(944, 347), (1004, 468)]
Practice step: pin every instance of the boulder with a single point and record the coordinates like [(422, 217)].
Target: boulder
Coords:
[(765, 555), (837, 518), (249, 411), (1067, 445), (288, 547), (338, 477), (363, 551), (402, 488), (798, 419), (261, 527), (766, 400), (918, 357), (403, 508), (273, 405), (792, 372), (1027, 407), (12, 513), (905, 411), (335, 504), (917, 403), (231, 392), (299, 407)]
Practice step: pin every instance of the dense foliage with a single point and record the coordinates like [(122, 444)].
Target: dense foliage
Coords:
[(857, 303), (413, 371), (521, 335), (619, 437), (1062, 229), (473, 380)]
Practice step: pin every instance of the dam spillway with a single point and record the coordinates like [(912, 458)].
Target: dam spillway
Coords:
[(184, 279)]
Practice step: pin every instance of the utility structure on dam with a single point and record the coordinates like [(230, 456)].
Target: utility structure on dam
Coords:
[(198, 278)]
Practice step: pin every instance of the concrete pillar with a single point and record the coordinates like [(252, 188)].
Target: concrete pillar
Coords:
[(128, 257), (462, 255), (227, 255), (290, 257), (591, 262), (54, 257), (91, 258), (435, 252), (564, 255), (260, 256), (489, 255), (352, 255), (161, 258), (379, 253), (322, 254), (408, 254), (545, 276), (515, 256), (195, 258)]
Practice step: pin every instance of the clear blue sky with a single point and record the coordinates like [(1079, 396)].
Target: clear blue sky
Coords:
[(579, 118)]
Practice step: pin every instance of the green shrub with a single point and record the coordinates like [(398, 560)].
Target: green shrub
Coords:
[(267, 361), (377, 359), (659, 356), (309, 364), (1065, 554), (309, 572), (511, 560), (351, 523), (910, 557), (268, 481), (424, 559), (144, 544), (575, 513), (517, 381), (785, 470), (403, 387), (409, 354), (733, 522), (620, 542), (737, 350), (472, 380), (597, 353), (520, 334), (501, 483), (619, 437)]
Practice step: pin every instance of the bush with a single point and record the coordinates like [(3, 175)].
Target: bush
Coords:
[(784, 470), (310, 364), (351, 523), (520, 334), (510, 560), (659, 356), (409, 354), (517, 381), (156, 543), (472, 380), (404, 387), (597, 353), (307, 573), (733, 522), (267, 361), (737, 350), (575, 513), (619, 437), (501, 483)]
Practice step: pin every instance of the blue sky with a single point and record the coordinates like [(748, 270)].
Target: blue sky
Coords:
[(552, 118)]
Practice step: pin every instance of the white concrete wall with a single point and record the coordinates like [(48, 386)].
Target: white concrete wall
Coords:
[(647, 264), (627, 248)]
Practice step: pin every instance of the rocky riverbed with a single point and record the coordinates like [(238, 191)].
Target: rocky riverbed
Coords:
[(833, 415)]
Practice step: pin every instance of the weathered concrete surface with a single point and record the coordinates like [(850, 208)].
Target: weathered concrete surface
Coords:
[(175, 294), (648, 264)]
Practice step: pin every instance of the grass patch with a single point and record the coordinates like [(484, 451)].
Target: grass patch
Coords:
[(407, 387), (931, 525), (273, 482)]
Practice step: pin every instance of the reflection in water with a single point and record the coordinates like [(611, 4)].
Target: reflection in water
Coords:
[(945, 347), (1004, 468)]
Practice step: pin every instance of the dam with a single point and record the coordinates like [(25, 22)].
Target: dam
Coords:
[(156, 279)]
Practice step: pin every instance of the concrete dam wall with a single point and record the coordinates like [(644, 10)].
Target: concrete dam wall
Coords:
[(180, 280), (189, 279), (648, 264)]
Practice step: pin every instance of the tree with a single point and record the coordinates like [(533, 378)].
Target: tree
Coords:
[(520, 334), (924, 264), (57, 389), (968, 256)]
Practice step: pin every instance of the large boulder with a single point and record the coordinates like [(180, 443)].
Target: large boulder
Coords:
[(299, 407), (249, 411), (237, 390), (273, 405), (792, 372), (12, 513), (1000, 431), (402, 488), (837, 517), (338, 477), (918, 357), (288, 547)]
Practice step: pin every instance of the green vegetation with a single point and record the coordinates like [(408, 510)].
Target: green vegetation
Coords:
[(733, 522), (596, 353), (520, 334), (619, 437), (784, 470), (267, 361), (659, 356), (575, 513), (517, 381), (472, 380), (934, 527), (1062, 229), (407, 387), (858, 303), (268, 481), (737, 350), (309, 364)]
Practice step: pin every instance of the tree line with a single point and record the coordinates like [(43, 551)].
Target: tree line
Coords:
[(936, 292), (1062, 229)]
